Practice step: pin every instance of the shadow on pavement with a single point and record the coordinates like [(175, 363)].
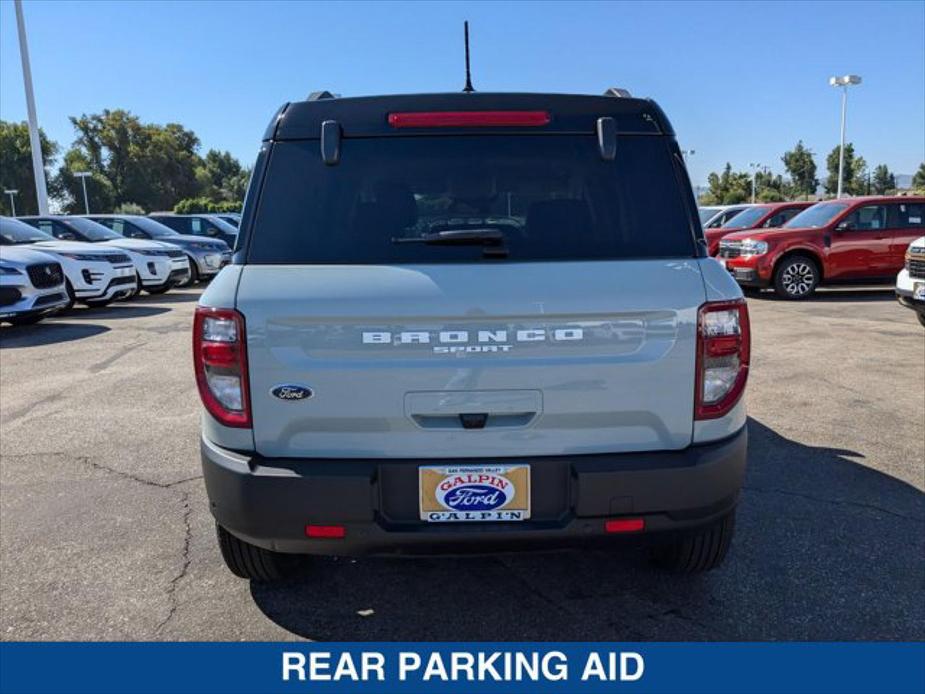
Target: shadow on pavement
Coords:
[(835, 295), (46, 333), (116, 311), (171, 297), (826, 549)]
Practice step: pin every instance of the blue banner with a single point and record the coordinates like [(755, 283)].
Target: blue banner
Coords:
[(461, 668)]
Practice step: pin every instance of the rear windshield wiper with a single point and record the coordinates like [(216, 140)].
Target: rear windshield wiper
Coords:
[(491, 239), (457, 237)]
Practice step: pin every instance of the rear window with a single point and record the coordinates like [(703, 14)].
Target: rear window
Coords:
[(550, 197)]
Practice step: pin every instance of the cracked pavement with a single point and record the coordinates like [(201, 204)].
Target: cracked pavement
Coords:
[(105, 532)]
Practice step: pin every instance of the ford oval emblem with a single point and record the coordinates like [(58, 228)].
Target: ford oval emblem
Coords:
[(290, 391), (475, 493)]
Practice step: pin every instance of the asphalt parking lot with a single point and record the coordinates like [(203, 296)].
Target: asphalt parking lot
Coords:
[(105, 532)]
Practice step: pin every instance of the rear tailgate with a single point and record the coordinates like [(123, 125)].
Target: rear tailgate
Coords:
[(573, 357)]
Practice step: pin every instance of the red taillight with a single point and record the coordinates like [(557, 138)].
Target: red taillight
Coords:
[(625, 525), (325, 531), (723, 349), (468, 119), (220, 361)]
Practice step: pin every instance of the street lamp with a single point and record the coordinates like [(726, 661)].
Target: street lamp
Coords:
[(11, 192), (685, 153), (82, 175), (844, 82), (754, 167)]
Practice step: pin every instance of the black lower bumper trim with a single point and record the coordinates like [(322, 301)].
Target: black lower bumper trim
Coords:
[(268, 502)]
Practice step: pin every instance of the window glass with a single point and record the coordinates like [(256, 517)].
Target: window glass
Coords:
[(816, 216), (911, 214), (539, 197), (868, 218), (746, 219)]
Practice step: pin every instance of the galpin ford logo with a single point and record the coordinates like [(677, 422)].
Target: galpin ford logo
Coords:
[(471, 492), (475, 493)]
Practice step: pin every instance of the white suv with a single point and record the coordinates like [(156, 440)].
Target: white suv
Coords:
[(910, 282), (159, 266), (93, 276)]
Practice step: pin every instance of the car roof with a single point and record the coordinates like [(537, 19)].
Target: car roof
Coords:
[(368, 115)]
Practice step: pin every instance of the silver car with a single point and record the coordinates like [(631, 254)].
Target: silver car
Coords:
[(206, 255), (31, 285)]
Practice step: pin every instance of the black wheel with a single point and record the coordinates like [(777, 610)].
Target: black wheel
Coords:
[(193, 274), (72, 297), (751, 292), (159, 290), (700, 552), (796, 277), (255, 563), (26, 320), (921, 317)]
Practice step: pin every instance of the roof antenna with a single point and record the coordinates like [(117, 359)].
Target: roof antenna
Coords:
[(468, 88)]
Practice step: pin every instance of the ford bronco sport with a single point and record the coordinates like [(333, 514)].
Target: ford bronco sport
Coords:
[(471, 322)]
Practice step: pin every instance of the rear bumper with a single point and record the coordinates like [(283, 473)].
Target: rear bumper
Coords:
[(268, 502)]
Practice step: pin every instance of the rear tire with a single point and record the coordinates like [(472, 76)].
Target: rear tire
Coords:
[(796, 277), (921, 317), (251, 562), (699, 552)]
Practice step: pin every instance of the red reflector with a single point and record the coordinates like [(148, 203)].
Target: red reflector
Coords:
[(625, 525), (722, 346), (219, 354), (467, 119), (332, 531)]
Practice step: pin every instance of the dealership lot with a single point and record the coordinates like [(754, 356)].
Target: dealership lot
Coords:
[(105, 531)]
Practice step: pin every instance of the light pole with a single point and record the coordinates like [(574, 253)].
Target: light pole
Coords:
[(82, 175), (685, 153), (38, 167), (844, 82), (754, 167), (11, 192)]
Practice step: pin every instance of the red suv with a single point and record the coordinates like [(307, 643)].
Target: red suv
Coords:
[(769, 216), (847, 240)]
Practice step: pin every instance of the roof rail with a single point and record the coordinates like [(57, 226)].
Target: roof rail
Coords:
[(618, 92), (318, 96)]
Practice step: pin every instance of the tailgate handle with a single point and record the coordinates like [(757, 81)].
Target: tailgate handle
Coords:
[(473, 420)]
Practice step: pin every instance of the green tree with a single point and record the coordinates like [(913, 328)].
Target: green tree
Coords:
[(222, 177), (855, 175), (728, 187), (918, 180), (148, 164), (16, 166), (801, 167), (883, 180)]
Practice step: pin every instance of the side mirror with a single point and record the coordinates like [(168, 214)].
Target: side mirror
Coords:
[(844, 226), (67, 236), (211, 231)]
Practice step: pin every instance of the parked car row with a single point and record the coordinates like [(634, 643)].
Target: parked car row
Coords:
[(837, 241), (49, 263)]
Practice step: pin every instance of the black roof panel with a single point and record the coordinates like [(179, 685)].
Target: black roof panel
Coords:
[(367, 116)]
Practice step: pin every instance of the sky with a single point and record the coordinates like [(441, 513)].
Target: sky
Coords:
[(741, 82)]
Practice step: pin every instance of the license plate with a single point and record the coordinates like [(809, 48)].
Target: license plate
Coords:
[(473, 493), (918, 291)]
